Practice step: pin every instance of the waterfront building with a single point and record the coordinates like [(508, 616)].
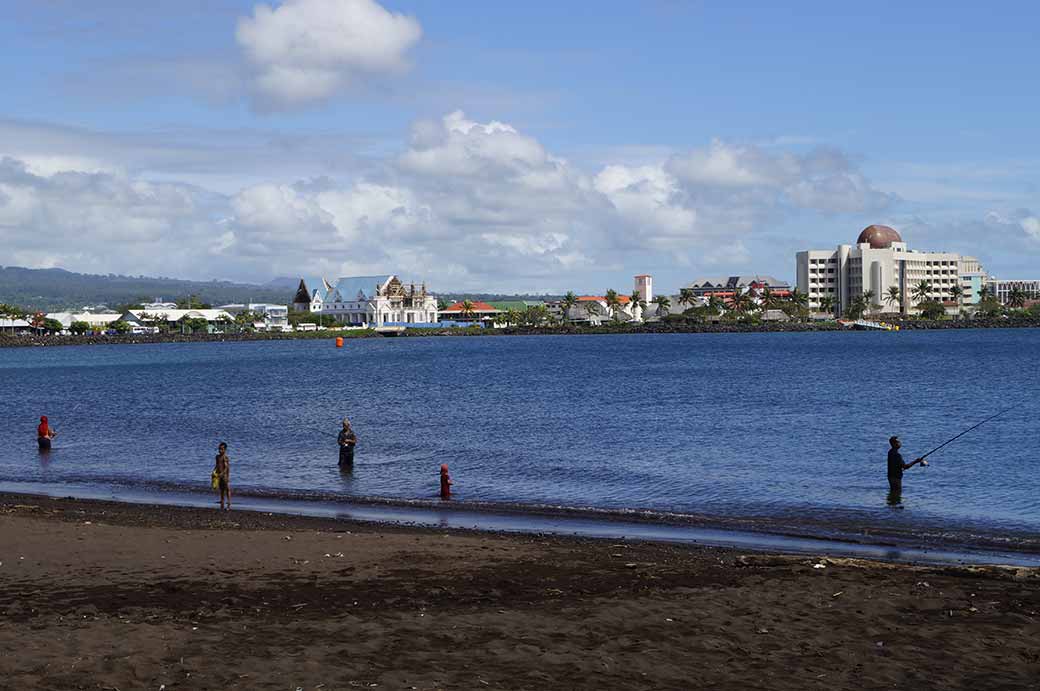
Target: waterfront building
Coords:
[(10, 325), (142, 321), (593, 309), (478, 312), (272, 317), (726, 287), (1002, 289), (97, 321), (367, 300), (878, 263)]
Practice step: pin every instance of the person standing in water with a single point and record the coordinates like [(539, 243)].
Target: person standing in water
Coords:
[(347, 440), (222, 469), (896, 466), (44, 434)]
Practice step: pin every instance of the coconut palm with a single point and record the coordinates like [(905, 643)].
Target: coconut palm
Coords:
[(568, 302), (799, 298), (467, 309), (741, 302), (868, 298), (894, 296), (591, 308), (637, 301), (613, 303), (663, 304), (957, 293), (1016, 298), (922, 291), (768, 298), (687, 297), (984, 292), (827, 304)]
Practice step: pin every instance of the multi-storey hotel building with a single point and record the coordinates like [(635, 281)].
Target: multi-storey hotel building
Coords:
[(878, 262)]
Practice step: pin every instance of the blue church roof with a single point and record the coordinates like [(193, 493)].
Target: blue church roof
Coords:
[(348, 288)]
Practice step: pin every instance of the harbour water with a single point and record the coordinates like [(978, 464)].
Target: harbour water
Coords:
[(783, 433)]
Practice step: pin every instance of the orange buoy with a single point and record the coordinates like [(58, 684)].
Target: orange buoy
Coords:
[(339, 341)]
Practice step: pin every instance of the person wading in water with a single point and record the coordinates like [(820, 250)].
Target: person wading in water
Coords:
[(44, 434), (347, 440), (896, 466), (222, 469)]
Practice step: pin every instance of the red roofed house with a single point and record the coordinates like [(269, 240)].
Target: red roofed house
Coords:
[(477, 312)]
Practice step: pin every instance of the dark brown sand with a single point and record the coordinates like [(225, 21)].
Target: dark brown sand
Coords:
[(96, 595)]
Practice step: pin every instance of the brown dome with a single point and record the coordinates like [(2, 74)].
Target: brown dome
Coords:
[(879, 237)]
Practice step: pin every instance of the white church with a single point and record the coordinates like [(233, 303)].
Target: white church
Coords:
[(367, 300)]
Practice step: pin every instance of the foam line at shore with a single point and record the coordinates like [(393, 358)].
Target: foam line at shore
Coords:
[(449, 517)]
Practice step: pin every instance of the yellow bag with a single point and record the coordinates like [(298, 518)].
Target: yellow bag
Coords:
[(214, 480)]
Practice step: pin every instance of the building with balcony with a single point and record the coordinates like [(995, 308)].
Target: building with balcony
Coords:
[(1002, 289), (883, 267), (269, 317)]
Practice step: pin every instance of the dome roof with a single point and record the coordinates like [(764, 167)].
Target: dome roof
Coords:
[(879, 237)]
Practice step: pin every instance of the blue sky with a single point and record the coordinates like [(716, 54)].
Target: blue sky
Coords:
[(512, 146)]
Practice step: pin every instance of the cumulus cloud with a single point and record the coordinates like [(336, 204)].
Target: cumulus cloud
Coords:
[(463, 203), (306, 51)]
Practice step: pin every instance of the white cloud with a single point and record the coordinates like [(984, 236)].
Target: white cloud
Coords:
[(304, 51), (1031, 224), (464, 204)]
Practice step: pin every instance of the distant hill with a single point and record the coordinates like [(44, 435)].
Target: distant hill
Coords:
[(56, 289)]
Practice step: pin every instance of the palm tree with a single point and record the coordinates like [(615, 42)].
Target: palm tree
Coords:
[(799, 298), (868, 298), (957, 292), (687, 297), (613, 303), (894, 296), (591, 308), (636, 299), (768, 298), (984, 292), (741, 302), (1016, 298), (922, 291), (663, 304), (715, 305), (827, 304), (568, 302), (467, 309)]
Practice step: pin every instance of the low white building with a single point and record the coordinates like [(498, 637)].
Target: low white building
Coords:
[(878, 263), (97, 321), (10, 325), (216, 319), (367, 300), (271, 317)]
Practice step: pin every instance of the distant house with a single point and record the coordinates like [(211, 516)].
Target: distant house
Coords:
[(96, 321), (272, 317), (367, 300)]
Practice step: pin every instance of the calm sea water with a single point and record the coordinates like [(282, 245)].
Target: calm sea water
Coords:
[(784, 428)]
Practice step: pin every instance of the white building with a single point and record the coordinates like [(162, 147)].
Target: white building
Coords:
[(272, 317), (139, 320), (368, 300), (877, 263), (95, 320), (1002, 289)]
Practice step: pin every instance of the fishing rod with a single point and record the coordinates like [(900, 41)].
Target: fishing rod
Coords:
[(992, 417), (321, 431)]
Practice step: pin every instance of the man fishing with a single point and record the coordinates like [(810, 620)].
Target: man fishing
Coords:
[(347, 440), (44, 434), (896, 466)]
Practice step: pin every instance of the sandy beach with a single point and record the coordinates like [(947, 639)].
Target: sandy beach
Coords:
[(99, 595)]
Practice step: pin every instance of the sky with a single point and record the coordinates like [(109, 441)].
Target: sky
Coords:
[(512, 147)]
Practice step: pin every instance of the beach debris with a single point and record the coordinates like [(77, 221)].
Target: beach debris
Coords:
[(838, 594), (669, 619), (820, 565), (762, 630), (880, 644), (87, 523), (631, 565), (288, 537)]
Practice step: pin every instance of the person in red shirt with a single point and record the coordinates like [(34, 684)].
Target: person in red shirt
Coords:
[(44, 434), (445, 482)]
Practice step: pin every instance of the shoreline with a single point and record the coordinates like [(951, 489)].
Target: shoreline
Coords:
[(11, 341), (108, 595), (755, 533)]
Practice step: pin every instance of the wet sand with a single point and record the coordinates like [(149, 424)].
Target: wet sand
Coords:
[(97, 595)]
